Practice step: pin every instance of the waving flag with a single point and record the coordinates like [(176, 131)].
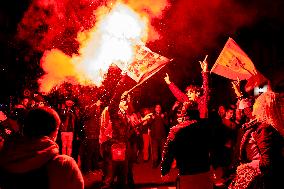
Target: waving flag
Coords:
[(146, 64), (233, 63)]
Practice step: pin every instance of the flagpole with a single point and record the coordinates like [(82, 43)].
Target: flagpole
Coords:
[(143, 80), (138, 84)]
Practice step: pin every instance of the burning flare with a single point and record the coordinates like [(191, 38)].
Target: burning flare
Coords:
[(111, 41)]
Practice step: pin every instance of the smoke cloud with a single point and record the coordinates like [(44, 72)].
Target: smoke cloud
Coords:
[(190, 25), (177, 28)]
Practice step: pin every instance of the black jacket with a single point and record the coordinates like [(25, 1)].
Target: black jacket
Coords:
[(188, 143)]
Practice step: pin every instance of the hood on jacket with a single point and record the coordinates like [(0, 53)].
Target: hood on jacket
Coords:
[(24, 154)]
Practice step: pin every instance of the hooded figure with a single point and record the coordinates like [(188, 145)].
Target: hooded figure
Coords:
[(33, 161)]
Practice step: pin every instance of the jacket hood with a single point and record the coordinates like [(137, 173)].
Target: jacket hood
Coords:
[(24, 154)]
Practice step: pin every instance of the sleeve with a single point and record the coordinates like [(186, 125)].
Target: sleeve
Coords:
[(168, 154), (180, 96), (64, 172), (205, 97), (105, 127), (114, 102), (265, 144)]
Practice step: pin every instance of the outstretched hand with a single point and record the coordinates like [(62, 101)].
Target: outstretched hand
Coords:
[(204, 64), (147, 117), (167, 79), (236, 87)]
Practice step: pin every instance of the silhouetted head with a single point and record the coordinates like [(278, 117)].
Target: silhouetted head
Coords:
[(42, 121)]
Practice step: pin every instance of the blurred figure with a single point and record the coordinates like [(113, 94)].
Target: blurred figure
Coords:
[(32, 104), (229, 137), (116, 128), (221, 111), (40, 102), (158, 134), (261, 148), (25, 102), (67, 128), (90, 148), (145, 134), (33, 161), (3, 130)]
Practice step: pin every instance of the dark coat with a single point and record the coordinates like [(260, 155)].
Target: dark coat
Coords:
[(36, 163), (270, 145), (188, 143)]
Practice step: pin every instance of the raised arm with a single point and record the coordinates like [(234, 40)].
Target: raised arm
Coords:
[(180, 96), (119, 93), (205, 87), (237, 89)]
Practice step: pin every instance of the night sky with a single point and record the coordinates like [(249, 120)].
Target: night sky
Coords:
[(188, 31)]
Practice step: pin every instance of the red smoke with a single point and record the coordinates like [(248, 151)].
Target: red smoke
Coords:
[(192, 25), (81, 40), (49, 24), (180, 28), (183, 25)]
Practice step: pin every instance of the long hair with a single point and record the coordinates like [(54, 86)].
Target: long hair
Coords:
[(267, 109)]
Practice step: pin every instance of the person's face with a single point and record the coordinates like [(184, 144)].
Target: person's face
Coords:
[(123, 104), (192, 95), (158, 109), (33, 103), (229, 114), (25, 101), (41, 104)]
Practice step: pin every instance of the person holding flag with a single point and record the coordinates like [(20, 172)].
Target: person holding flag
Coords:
[(116, 145)]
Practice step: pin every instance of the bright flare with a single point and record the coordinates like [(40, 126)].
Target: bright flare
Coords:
[(112, 41)]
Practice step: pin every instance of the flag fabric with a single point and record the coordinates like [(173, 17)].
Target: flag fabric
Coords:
[(145, 64), (233, 63)]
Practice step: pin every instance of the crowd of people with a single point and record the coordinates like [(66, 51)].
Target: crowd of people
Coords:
[(235, 146)]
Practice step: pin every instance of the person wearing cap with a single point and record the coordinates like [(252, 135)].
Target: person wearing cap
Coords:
[(33, 160), (261, 148)]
